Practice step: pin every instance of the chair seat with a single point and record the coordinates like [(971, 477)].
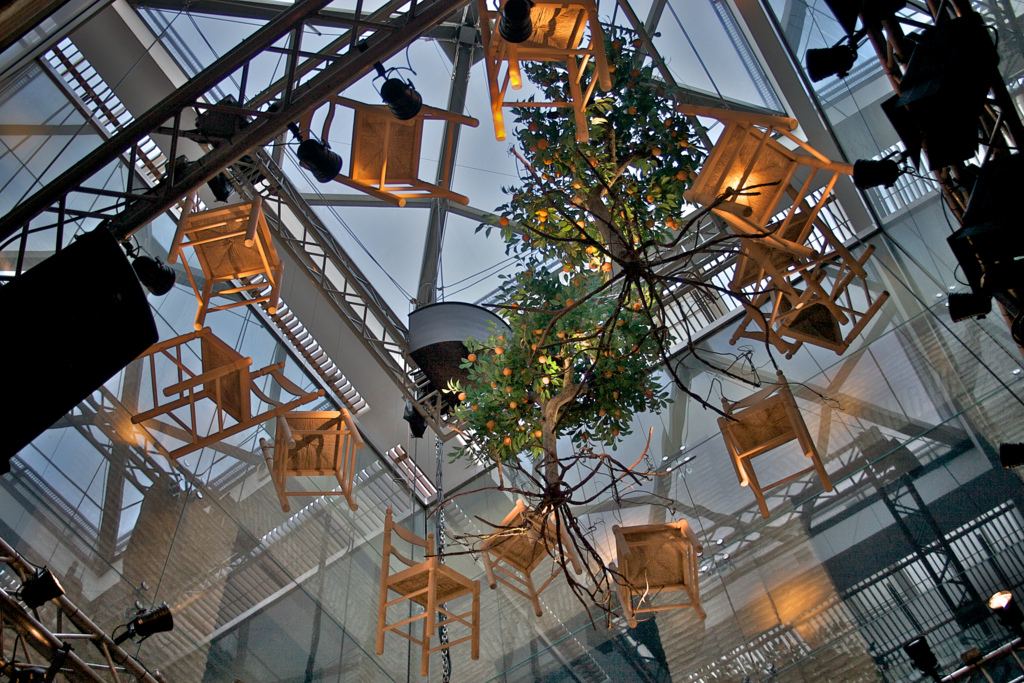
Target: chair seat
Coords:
[(767, 422), (555, 28), (655, 559), (379, 138), (409, 581)]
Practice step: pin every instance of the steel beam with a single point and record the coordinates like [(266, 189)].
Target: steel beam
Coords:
[(465, 48), (299, 99)]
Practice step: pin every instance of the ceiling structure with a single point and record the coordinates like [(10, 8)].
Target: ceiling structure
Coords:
[(922, 522)]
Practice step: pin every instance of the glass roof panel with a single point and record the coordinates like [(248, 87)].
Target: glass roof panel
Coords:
[(704, 48)]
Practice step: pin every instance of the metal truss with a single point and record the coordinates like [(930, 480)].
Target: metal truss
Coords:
[(55, 647), (310, 79), (1000, 120)]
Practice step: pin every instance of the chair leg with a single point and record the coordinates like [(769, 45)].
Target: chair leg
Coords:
[(755, 486), (534, 598), (382, 615), (475, 642), (429, 620), (204, 304)]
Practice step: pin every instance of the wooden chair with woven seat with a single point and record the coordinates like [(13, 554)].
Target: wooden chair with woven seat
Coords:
[(232, 244), (310, 444), (218, 392), (559, 28), (798, 315), (385, 159), (429, 584), (654, 559), (761, 423), (518, 545)]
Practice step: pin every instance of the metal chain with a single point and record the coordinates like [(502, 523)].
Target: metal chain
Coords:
[(442, 631)]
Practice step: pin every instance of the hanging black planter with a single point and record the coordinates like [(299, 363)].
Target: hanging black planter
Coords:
[(437, 335)]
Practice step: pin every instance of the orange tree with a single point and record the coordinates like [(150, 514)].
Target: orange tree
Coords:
[(587, 222)]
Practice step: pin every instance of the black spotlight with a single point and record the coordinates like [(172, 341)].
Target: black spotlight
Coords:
[(964, 306), (30, 674), (923, 657), (417, 425), (874, 172), (318, 159), (401, 98), (1010, 455), (144, 625), (39, 589), (1006, 608), (515, 25), (154, 274), (221, 187), (831, 61)]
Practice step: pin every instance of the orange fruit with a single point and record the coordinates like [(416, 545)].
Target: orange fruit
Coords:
[(508, 390), (545, 380), (513, 405), (615, 432), (498, 350), (462, 396), (615, 394), (534, 127), (507, 372), (570, 302), (607, 267), (494, 385), (507, 441), (542, 144), (560, 335), (471, 358), (656, 151), (542, 359), (490, 424), (538, 434), (503, 221), (681, 175), (601, 412), (637, 42)]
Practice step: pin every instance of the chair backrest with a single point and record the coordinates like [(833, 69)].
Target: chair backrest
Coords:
[(409, 537), (235, 386)]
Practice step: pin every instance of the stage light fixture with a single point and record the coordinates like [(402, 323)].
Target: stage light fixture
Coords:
[(217, 125), (1007, 610), (221, 187), (401, 98), (145, 624), (833, 61), (874, 172), (964, 306), (36, 591), (923, 657), (154, 274), (515, 25), (944, 90), (1011, 455), (417, 425), (316, 157)]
